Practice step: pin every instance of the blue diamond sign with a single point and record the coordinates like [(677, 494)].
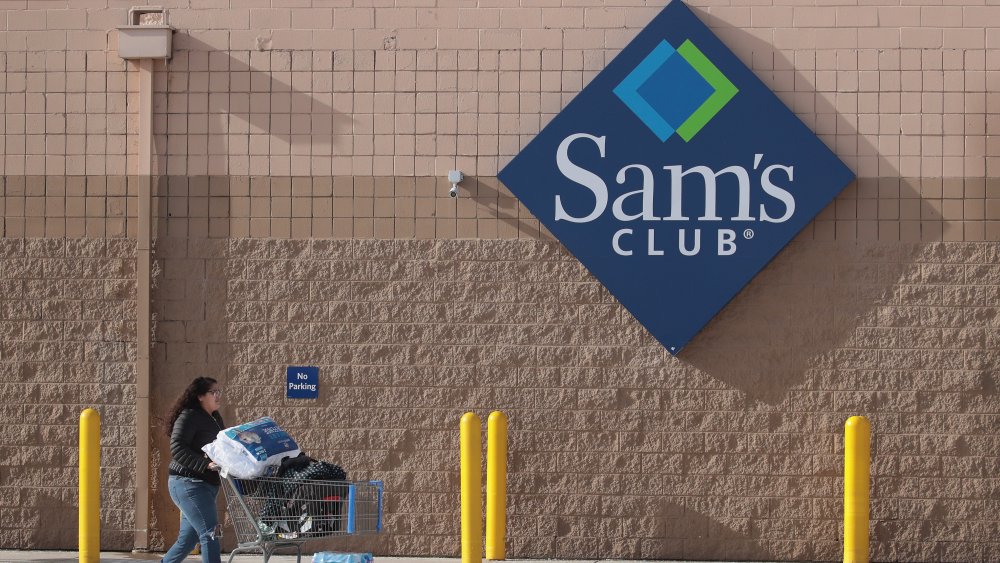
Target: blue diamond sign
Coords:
[(675, 176)]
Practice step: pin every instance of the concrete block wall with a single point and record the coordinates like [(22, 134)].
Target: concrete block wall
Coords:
[(302, 217), (68, 323), (733, 450)]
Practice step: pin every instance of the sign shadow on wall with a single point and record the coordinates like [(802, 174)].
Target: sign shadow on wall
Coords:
[(811, 299)]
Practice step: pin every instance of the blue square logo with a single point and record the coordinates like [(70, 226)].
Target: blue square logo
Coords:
[(674, 90), (675, 176)]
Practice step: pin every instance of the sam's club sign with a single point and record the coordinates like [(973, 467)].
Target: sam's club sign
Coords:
[(675, 176)]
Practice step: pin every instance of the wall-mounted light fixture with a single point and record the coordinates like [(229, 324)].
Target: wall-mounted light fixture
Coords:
[(455, 177)]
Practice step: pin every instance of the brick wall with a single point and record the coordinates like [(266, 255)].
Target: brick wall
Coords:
[(902, 93), (302, 217)]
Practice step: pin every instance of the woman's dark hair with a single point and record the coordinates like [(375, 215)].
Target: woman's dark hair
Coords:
[(189, 399)]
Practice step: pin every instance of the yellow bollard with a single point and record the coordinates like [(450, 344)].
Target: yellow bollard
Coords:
[(496, 486), (857, 458), (470, 447), (90, 486)]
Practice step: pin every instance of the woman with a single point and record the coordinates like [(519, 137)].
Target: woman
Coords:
[(194, 482)]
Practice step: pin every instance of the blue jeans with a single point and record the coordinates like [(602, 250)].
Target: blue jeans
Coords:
[(199, 519)]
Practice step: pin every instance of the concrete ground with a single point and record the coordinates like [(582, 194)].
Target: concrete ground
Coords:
[(109, 556)]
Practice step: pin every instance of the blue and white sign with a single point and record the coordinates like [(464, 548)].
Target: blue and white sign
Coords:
[(675, 176), (303, 382)]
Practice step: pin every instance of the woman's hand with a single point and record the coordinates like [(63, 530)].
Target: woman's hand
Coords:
[(213, 466)]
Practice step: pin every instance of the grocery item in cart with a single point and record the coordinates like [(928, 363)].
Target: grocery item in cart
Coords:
[(311, 498), (251, 450)]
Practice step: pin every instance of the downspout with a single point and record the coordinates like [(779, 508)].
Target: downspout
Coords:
[(146, 37), (142, 324)]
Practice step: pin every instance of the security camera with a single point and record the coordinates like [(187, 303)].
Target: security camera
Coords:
[(454, 176)]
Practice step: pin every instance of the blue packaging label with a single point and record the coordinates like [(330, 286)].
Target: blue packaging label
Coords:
[(262, 438)]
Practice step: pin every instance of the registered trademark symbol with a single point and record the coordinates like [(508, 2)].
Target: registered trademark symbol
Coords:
[(748, 234)]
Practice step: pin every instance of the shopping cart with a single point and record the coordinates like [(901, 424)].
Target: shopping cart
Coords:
[(273, 513)]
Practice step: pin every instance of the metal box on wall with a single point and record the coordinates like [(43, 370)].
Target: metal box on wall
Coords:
[(147, 35)]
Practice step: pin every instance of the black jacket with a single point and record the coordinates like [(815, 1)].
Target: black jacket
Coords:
[(193, 429)]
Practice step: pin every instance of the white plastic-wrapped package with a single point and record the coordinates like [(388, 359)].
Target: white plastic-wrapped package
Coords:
[(251, 450)]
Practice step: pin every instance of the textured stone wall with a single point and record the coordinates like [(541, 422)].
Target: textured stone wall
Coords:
[(67, 319), (616, 449), (733, 450)]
